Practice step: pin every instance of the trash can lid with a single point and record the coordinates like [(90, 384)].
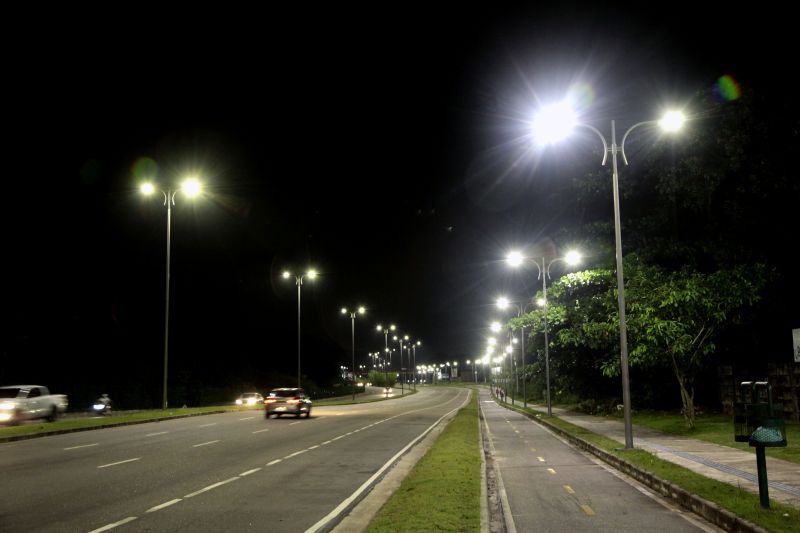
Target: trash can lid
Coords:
[(762, 434)]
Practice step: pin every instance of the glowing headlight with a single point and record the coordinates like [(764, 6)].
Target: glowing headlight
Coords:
[(5, 417), (6, 406), (238, 402)]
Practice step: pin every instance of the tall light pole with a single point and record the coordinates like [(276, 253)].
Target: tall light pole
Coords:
[(360, 311), (386, 331), (191, 188), (310, 274), (504, 303), (400, 342), (515, 259), (414, 364), (555, 123)]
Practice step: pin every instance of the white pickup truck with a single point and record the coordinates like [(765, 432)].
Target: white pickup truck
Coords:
[(27, 402)]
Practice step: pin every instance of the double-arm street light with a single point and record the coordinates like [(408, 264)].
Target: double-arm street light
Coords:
[(504, 303), (360, 311), (400, 340), (386, 331), (414, 364), (191, 188), (515, 259), (310, 274), (553, 124)]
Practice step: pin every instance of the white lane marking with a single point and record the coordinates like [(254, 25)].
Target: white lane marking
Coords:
[(253, 471), (165, 504), (295, 453), (248, 418), (293, 423), (326, 442), (346, 503), (260, 431), (115, 524), (214, 486), (312, 447), (157, 433), (82, 446), (120, 462), (204, 443), (207, 425), (551, 470), (541, 459), (276, 461)]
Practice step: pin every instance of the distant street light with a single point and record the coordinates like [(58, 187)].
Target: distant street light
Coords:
[(360, 311), (515, 259), (414, 364), (386, 331), (400, 342), (191, 188), (311, 274), (555, 123), (504, 303)]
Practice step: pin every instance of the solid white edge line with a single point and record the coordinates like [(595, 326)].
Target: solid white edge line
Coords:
[(165, 504), (342, 506), (120, 462), (510, 526), (213, 486), (115, 524)]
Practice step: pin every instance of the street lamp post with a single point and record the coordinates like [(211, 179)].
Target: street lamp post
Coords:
[(414, 364), (386, 331), (565, 120), (516, 259), (400, 342), (503, 303), (190, 187), (360, 311), (311, 274)]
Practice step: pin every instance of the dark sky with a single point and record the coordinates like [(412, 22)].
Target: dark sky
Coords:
[(368, 143)]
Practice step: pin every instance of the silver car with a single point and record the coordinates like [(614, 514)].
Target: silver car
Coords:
[(291, 401)]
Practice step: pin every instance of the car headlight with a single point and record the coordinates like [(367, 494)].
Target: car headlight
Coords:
[(7, 406), (238, 402), (5, 417)]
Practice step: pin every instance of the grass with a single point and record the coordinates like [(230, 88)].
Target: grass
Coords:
[(442, 493)]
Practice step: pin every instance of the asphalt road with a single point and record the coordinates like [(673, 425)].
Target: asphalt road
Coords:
[(546, 485), (225, 472)]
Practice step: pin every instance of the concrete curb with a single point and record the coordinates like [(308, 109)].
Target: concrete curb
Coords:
[(709, 510)]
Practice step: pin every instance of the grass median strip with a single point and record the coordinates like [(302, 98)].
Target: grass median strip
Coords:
[(442, 492)]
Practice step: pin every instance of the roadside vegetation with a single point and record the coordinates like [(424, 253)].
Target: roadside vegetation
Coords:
[(442, 493)]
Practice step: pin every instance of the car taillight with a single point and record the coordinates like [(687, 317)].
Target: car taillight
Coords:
[(296, 399), (269, 400)]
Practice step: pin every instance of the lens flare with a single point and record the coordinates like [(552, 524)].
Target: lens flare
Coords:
[(727, 89)]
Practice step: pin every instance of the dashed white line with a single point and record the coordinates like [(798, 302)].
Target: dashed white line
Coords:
[(260, 431), (315, 446), (204, 443), (253, 471), (295, 453), (165, 504), (293, 423), (207, 425), (82, 446), (214, 486), (276, 461), (326, 442), (115, 524), (120, 462), (157, 433), (248, 418)]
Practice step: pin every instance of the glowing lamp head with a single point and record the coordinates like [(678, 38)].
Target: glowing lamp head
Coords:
[(514, 259), (147, 188), (672, 121), (553, 123), (191, 187)]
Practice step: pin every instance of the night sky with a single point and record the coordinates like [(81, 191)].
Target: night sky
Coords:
[(371, 144)]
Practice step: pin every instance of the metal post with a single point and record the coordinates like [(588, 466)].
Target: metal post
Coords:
[(169, 199), (763, 485), (545, 272), (353, 339), (299, 283), (623, 334), (524, 392)]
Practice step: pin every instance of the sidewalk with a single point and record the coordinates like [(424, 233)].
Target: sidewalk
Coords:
[(722, 463)]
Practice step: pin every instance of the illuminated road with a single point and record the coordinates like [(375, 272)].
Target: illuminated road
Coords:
[(224, 472), (546, 485)]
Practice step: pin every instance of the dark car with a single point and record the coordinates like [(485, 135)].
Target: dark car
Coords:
[(287, 401)]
